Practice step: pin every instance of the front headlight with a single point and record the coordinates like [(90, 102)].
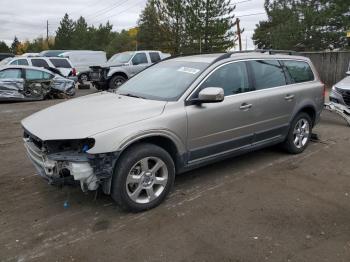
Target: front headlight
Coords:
[(69, 145)]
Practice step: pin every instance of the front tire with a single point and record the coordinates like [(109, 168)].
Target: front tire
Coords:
[(143, 177), (299, 134), (116, 81)]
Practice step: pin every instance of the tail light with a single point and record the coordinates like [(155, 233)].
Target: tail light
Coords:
[(324, 93), (74, 72)]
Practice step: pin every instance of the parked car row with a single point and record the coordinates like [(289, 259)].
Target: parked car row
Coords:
[(63, 65)]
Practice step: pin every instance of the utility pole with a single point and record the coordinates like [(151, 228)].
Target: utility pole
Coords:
[(47, 32), (239, 34)]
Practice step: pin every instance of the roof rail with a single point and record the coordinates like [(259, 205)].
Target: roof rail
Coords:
[(263, 51)]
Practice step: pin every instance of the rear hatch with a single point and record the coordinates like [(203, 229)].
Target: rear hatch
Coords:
[(63, 66)]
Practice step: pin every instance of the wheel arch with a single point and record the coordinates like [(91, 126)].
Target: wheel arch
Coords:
[(308, 109), (119, 73), (169, 142)]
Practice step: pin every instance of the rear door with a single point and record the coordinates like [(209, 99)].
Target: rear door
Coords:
[(274, 101), (154, 57)]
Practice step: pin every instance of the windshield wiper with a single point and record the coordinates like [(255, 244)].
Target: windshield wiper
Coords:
[(132, 95)]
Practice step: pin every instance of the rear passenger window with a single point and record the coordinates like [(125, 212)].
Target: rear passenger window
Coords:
[(62, 63), (40, 63), (233, 78), (155, 57), (299, 71), (267, 74)]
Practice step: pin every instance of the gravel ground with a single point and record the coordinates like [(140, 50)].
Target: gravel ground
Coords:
[(263, 206)]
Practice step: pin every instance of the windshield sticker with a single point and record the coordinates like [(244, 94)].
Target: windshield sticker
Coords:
[(188, 70)]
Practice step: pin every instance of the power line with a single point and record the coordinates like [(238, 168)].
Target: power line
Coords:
[(108, 17), (105, 10), (261, 13)]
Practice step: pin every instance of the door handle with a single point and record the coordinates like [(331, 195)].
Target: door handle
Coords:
[(289, 97), (245, 106)]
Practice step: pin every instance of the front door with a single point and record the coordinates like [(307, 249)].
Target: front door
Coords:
[(139, 62), (218, 128)]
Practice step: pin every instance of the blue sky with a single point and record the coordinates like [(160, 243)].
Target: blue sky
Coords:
[(27, 19)]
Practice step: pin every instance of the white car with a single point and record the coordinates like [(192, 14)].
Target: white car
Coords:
[(82, 60), (63, 65), (340, 93)]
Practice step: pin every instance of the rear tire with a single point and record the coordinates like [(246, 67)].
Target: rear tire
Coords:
[(143, 177), (299, 134)]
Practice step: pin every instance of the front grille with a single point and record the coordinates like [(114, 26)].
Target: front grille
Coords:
[(95, 76), (345, 94)]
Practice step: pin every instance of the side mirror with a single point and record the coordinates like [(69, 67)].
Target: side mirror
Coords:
[(211, 95)]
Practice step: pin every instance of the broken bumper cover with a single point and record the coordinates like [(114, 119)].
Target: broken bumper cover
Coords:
[(89, 170), (340, 96)]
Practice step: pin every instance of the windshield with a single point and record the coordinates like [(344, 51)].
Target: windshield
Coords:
[(165, 81), (121, 58)]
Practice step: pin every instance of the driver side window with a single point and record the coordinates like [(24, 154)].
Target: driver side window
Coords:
[(232, 78), (10, 73), (139, 58)]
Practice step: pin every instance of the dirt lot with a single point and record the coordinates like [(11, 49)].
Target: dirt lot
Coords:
[(264, 206)]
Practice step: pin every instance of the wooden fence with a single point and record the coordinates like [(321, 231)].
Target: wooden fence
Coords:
[(330, 65)]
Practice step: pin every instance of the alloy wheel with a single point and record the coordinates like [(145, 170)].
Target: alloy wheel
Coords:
[(147, 180), (301, 133)]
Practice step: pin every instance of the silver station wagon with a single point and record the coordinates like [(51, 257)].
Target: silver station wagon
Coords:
[(175, 116)]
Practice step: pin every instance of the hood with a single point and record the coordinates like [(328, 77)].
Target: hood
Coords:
[(344, 84), (106, 65), (85, 116)]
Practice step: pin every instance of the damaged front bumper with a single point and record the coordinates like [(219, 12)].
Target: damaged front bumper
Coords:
[(61, 168)]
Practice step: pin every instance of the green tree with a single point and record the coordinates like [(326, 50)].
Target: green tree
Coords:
[(172, 16), (151, 34), (4, 48), (64, 33), (303, 25), (15, 45), (120, 42), (80, 34), (209, 25)]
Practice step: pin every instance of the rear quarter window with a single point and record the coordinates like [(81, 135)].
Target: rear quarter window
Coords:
[(62, 63), (299, 71)]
